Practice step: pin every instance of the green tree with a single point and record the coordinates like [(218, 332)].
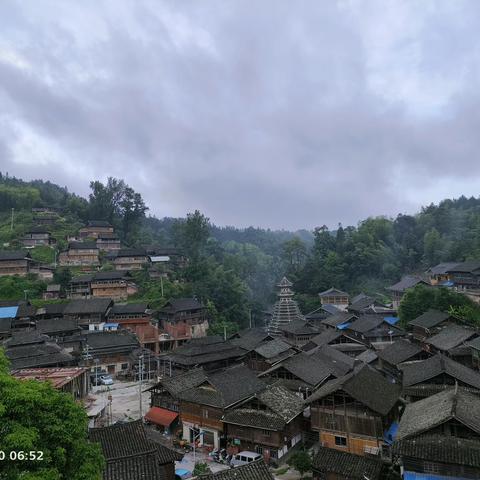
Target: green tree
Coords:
[(36, 417), (191, 235), (301, 461)]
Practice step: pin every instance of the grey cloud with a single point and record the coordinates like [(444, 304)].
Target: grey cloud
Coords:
[(257, 113)]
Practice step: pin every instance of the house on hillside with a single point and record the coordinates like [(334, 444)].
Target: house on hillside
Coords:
[(130, 455), (268, 354), (37, 236), (202, 408), (335, 297), (250, 338), (15, 263), (128, 258), (114, 285), (270, 423), (465, 275), (351, 413), (108, 242), (79, 253), (91, 314), (439, 274), (95, 228), (338, 339), (398, 289), (377, 330), (182, 319)]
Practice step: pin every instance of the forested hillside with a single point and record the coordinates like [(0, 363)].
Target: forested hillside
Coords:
[(235, 270)]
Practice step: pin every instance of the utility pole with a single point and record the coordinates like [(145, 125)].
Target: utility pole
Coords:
[(225, 332), (250, 318), (11, 222), (140, 373), (161, 284)]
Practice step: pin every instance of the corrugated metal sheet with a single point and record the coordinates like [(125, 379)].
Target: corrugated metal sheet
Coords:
[(8, 312)]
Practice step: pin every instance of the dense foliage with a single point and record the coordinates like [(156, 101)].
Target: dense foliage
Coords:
[(235, 270), (34, 417)]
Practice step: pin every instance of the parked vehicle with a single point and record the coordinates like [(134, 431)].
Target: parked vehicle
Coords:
[(106, 380), (244, 458)]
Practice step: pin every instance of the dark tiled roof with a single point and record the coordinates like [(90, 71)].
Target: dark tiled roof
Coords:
[(298, 327), (366, 323), (429, 319), (252, 471), (82, 246), (130, 252), (451, 337), (339, 363), (182, 304), (5, 324), (90, 305), (329, 309), (53, 309), (282, 402), (185, 381), (420, 372), (273, 348), (399, 351), (405, 283), (128, 445), (367, 386), (254, 418), (56, 325), (428, 413), (465, 267), (104, 339), (144, 466), (13, 255), (128, 308), (347, 465), (307, 369), (368, 356), (338, 319), (113, 275), (440, 448), (326, 337), (251, 338), (225, 388), (85, 278), (333, 292), (98, 223), (442, 268)]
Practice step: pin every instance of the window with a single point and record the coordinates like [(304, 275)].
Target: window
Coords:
[(205, 413), (124, 366), (340, 441), (266, 433)]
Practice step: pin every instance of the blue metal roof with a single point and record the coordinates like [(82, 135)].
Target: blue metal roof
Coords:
[(389, 435), (428, 476), (391, 320), (8, 312)]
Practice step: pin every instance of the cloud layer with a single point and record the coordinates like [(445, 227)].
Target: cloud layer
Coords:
[(271, 113)]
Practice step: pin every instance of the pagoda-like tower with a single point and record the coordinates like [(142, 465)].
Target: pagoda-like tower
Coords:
[(285, 309)]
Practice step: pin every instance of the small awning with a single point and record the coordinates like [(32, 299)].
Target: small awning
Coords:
[(161, 416)]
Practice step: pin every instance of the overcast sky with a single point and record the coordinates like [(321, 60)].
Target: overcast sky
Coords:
[(270, 113)]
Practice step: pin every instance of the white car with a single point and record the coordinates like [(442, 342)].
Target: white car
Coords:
[(106, 380), (244, 458)]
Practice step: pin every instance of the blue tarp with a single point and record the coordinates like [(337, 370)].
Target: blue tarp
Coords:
[(428, 476), (389, 435), (8, 312), (447, 283), (343, 326), (391, 320), (110, 326)]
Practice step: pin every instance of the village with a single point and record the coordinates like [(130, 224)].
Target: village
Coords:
[(364, 396)]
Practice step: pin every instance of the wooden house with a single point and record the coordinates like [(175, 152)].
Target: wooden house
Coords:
[(435, 374), (268, 354), (429, 323), (15, 263), (203, 407), (257, 470), (91, 313), (375, 329), (338, 339), (335, 297), (298, 332), (398, 289), (465, 275), (80, 253), (108, 242), (439, 437), (351, 413), (439, 274), (95, 228), (128, 258), (270, 423), (182, 319), (37, 236)]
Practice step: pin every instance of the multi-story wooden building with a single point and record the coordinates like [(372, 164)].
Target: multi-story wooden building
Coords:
[(465, 275), (91, 313), (182, 319), (439, 437), (37, 236), (79, 253), (398, 289), (128, 258), (202, 408), (15, 263), (298, 332), (429, 323), (114, 285), (335, 297), (439, 274), (270, 423), (108, 242), (95, 228), (351, 413)]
